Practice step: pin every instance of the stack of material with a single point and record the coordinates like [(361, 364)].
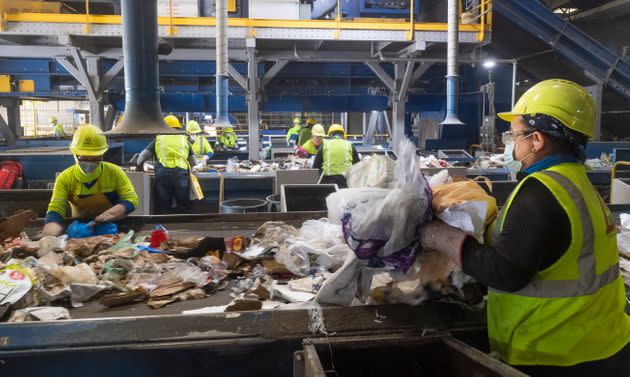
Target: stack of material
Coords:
[(623, 244), (253, 166)]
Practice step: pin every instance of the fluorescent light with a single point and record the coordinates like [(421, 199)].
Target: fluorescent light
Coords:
[(489, 64)]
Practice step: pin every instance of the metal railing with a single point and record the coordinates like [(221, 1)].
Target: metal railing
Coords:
[(88, 20)]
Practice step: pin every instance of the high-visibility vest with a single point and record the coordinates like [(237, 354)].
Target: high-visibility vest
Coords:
[(573, 311), (201, 146), (228, 139), (172, 151), (293, 133), (309, 147), (337, 156)]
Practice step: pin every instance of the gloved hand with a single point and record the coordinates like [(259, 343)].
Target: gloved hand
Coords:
[(13, 225), (301, 152), (205, 158), (439, 236)]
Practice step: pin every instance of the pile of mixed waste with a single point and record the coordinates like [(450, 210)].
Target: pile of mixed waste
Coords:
[(623, 244), (367, 251), (233, 165)]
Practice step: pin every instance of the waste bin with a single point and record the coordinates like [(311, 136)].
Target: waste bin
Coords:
[(402, 356), (273, 203), (243, 206)]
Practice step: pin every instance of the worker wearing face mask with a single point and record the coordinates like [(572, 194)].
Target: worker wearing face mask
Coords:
[(200, 146), (556, 299), (311, 147), (228, 138), (94, 189)]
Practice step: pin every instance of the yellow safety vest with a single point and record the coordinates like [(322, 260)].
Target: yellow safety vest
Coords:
[(228, 139), (295, 130), (201, 146), (172, 151), (573, 311), (309, 147), (337, 156)]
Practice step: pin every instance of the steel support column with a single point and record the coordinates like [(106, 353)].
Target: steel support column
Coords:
[(6, 133), (97, 108), (597, 92), (253, 102)]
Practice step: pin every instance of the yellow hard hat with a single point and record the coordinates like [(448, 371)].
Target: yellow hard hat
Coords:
[(310, 121), (336, 128), (564, 100), (296, 120), (172, 121), (227, 130), (192, 127), (318, 130), (52, 119), (89, 140)]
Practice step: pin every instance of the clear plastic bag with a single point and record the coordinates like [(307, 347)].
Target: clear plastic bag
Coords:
[(295, 258), (321, 234), (382, 228)]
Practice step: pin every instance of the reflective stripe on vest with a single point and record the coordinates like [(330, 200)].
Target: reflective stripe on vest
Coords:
[(569, 313), (172, 151), (337, 156), (588, 282)]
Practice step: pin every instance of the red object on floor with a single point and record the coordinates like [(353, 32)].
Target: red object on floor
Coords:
[(157, 237)]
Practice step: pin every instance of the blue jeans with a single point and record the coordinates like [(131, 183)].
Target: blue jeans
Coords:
[(172, 184)]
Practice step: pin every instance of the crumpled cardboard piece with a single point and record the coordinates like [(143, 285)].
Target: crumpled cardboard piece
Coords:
[(190, 294), (84, 247), (14, 225), (77, 293)]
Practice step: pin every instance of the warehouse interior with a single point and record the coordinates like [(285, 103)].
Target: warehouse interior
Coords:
[(185, 184)]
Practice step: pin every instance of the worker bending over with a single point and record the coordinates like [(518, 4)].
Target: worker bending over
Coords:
[(311, 147), (305, 132), (228, 138), (201, 148), (556, 299), (335, 157), (294, 132), (94, 189), (57, 127), (172, 170)]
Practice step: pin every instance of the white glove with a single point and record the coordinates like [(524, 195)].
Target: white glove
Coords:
[(205, 158)]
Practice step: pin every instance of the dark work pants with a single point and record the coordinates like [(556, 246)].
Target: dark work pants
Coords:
[(172, 184), (340, 180)]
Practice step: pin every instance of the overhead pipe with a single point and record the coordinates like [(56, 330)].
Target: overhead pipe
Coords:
[(222, 75), (452, 51), (143, 114)]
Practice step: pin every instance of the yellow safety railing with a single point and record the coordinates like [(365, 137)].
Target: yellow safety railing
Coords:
[(89, 20)]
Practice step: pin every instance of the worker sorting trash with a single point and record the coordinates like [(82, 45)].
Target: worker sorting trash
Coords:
[(228, 139), (335, 157), (94, 189), (311, 147), (293, 132), (556, 298), (201, 147), (175, 157)]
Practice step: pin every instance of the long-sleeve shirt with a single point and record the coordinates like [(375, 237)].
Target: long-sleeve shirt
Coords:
[(536, 233), (115, 185)]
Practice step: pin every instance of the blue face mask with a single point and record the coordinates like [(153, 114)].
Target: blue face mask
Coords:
[(512, 164)]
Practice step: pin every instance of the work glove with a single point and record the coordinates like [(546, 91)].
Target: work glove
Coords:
[(13, 225), (205, 158), (441, 237), (301, 152)]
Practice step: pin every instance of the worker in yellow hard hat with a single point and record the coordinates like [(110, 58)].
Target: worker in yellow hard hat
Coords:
[(294, 132), (311, 147), (556, 299), (335, 157), (202, 149), (94, 189), (57, 127), (305, 132), (172, 169), (228, 139)]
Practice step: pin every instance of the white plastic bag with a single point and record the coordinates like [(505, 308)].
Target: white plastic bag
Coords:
[(321, 234), (295, 258), (346, 200), (14, 284), (372, 171), (468, 216)]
